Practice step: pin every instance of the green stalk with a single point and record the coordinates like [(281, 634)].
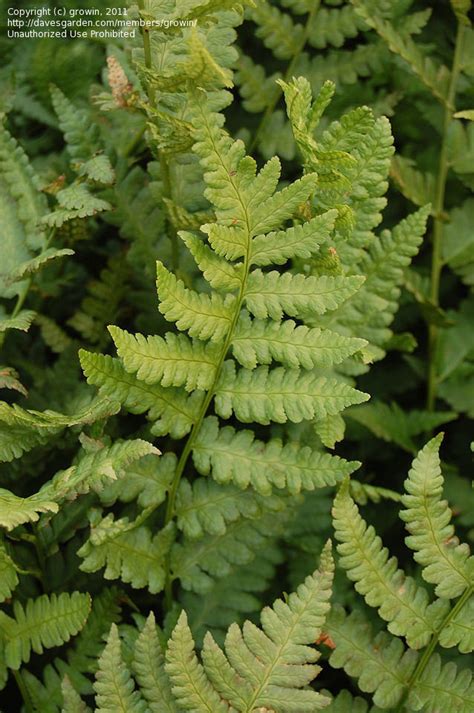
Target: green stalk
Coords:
[(147, 50), (438, 207), (287, 76), (428, 652)]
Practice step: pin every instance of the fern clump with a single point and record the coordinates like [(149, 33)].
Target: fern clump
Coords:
[(215, 303)]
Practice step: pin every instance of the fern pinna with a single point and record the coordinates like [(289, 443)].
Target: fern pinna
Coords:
[(236, 329)]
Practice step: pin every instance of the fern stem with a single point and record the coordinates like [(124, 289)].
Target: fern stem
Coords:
[(147, 51), (288, 74), (440, 193), (428, 652), (25, 694)]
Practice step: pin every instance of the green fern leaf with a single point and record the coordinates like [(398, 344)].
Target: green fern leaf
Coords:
[(237, 457), (334, 26), (174, 360), (146, 481), (280, 395), (434, 77), (344, 702), (8, 574), (190, 685), (256, 89), (44, 622), (72, 702), (220, 274), (95, 469), (277, 30), (22, 429), (298, 241), (16, 511), (203, 316), (271, 294), (172, 411), (330, 430), (114, 686), (127, 551), (148, 665), (381, 664), (398, 599), (79, 133), (205, 507), (198, 563), (393, 424), (446, 563), (21, 321), (34, 265), (444, 688), (21, 207), (259, 342)]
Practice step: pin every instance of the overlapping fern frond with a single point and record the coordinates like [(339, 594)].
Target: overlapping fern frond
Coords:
[(395, 674)]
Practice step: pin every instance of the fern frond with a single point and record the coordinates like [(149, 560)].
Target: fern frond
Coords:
[(44, 622), (21, 207), (22, 429), (148, 665), (446, 563), (333, 26), (232, 597), (95, 469), (271, 294), (114, 686), (8, 574), (261, 668), (72, 702), (21, 321), (256, 89), (16, 511), (172, 411), (198, 563), (416, 186), (128, 552), (281, 395), (381, 664), (237, 457), (30, 267), (403, 604), (259, 342), (79, 133), (205, 507), (82, 659), (146, 481), (277, 30), (174, 360), (203, 316), (443, 686), (434, 77), (220, 274)]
